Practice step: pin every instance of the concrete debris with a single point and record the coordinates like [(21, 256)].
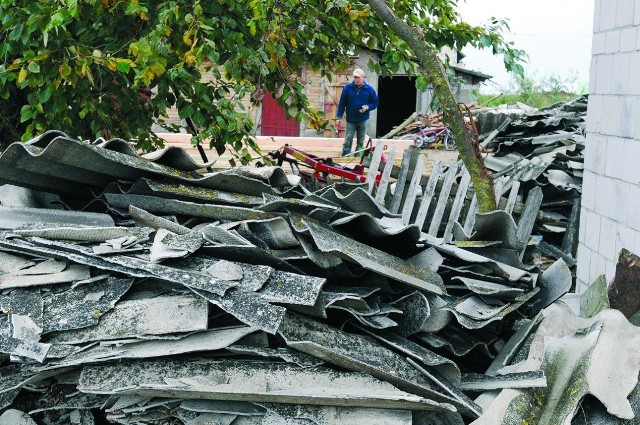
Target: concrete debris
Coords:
[(240, 297)]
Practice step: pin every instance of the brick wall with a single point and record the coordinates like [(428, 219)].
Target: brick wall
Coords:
[(610, 215)]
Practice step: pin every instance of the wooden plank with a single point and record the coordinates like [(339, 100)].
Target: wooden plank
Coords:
[(412, 193), (402, 180), (471, 215), (428, 194), (458, 202), (375, 164), (386, 176), (443, 198)]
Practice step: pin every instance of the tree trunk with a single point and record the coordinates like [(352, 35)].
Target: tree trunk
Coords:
[(465, 138)]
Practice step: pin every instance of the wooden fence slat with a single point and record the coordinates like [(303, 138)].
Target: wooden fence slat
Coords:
[(401, 182), (386, 176), (375, 164), (443, 198), (471, 215), (412, 193), (428, 194), (456, 208)]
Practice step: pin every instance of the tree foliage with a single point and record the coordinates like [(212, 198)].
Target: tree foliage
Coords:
[(113, 67)]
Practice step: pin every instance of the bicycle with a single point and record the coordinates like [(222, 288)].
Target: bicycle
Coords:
[(427, 137)]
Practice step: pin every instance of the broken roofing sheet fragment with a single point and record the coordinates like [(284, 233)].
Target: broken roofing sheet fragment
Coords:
[(368, 257), (579, 357), (170, 245), (358, 353), (130, 265), (334, 415), (134, 318), (250, 381), (173, 206), (83, 306), (205, 341), (191, 193)]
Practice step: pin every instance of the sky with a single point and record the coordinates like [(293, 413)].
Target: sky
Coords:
[(555, 34)]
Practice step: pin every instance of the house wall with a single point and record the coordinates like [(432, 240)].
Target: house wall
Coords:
[(610, 214)]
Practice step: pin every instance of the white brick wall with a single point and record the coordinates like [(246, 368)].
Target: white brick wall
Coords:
[(610, 215)]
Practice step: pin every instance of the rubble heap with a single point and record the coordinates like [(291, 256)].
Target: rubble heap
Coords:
[(138, 291), (544, 148)]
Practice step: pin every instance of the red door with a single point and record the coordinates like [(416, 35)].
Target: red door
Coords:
[(274, 120)]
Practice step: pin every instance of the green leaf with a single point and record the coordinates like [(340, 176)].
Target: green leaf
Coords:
[(123, 66), (22, 75), (34, 67)]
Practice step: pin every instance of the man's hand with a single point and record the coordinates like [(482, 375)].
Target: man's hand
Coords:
[(339, 125), (364, 109)]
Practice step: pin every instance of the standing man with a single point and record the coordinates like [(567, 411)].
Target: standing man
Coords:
[(358, 98)]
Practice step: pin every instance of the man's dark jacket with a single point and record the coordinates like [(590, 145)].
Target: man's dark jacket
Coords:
[(353, 98)]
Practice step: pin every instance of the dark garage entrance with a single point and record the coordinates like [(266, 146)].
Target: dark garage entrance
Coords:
[(397, 102)]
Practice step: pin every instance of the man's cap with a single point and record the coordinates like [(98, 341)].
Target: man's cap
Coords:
[(358, 72)]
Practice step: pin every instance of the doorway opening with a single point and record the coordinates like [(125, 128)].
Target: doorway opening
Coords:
[(398, 100)]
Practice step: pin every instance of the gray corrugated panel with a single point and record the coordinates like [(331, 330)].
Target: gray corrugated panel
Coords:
[(173, 206), (11, 263), (511, 347), (373, 316), (555, 281), (512, 274), (597, 356), (24, 347), (275, 232), (191, 193), (242, 408), (357, 353), (290, 288), (496, 225), (478, 322), (483, 287), (13, 218), (207, 341), (279, 414), (304, 206), (144, 218), (83, 306), (71, 273), (479, 382), (445, 367), (249, 307), (385, 231), (249, 254), (86, 234), (70, 166), (169, 245), (562, 180), (370, 258), (254, 381), (69, 398), (457, 341), (421, 313), (288, 355), (175, 157), (358, 200), (131, 266), (134, 318)]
